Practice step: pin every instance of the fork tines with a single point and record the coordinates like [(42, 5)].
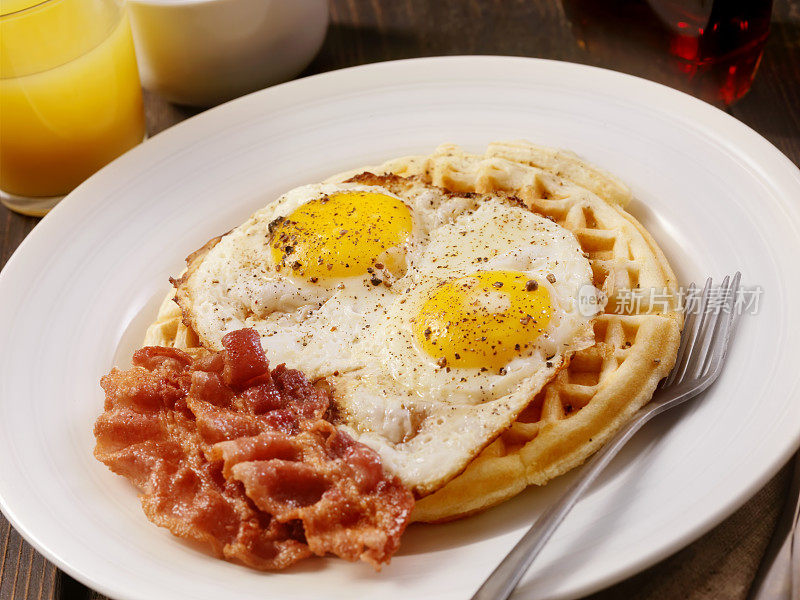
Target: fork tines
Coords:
[(706, 330)]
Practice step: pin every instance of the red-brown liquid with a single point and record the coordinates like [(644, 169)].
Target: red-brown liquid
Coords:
[(715, 44)]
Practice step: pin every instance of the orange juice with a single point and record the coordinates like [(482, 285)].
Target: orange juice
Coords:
[(70, 98)]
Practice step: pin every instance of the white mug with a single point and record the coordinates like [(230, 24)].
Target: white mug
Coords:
[(203, 52)]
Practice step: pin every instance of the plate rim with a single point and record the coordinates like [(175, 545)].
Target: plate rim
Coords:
[(648, 558)]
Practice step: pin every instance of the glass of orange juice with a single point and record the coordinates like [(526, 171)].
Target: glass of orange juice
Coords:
[(70, 98)]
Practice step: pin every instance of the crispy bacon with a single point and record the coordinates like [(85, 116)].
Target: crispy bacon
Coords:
[(232, 455), (244, 358)]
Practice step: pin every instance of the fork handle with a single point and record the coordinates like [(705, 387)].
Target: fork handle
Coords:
[(504, 579)]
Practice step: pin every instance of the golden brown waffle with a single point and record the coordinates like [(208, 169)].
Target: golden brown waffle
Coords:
[(604, 384), (168, 328)]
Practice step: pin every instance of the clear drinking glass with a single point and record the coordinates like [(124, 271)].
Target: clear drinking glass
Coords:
[(711, 48), (70, 98), (719, 41)]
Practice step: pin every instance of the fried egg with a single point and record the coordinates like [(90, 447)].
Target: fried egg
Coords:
[(435, 317), (308, 272), (487, 314)]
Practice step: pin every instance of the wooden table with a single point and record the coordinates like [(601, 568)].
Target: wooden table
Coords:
[(722, 563)]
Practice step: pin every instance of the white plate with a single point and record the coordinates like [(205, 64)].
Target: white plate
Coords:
[(75, 299)]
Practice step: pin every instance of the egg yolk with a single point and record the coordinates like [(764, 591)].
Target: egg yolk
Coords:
[(339, 235), (483, 320)]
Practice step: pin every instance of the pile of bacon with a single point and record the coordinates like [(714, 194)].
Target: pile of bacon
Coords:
[(242, 459)]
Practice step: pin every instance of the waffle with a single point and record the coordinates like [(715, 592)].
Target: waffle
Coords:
[(636, 342)]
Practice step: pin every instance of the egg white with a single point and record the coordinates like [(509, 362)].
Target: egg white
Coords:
[(309, 326), (495, 236), (425, 421)]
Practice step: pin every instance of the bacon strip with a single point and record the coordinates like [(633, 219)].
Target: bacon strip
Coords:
[(242, 459)]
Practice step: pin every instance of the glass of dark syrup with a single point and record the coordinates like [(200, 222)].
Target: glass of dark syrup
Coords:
[(712, 47)]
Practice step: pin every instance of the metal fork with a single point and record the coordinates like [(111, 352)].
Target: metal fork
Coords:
[(702, 350)]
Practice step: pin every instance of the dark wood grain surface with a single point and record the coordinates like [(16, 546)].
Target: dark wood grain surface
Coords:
[(722, 563)]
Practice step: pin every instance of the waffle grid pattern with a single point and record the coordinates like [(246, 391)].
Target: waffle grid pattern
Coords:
[(603, 385)]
